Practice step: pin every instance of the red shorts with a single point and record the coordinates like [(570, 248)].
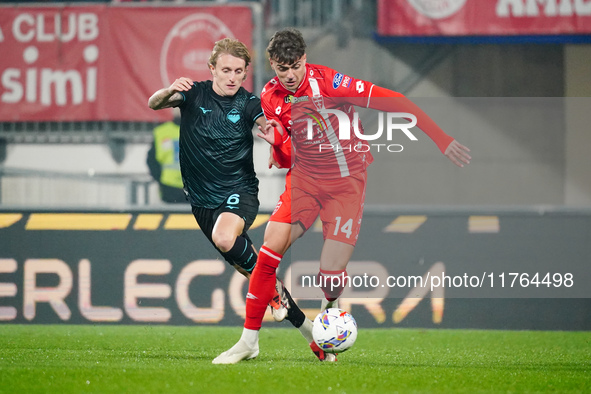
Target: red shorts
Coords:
[(339, 202), (282, 212)]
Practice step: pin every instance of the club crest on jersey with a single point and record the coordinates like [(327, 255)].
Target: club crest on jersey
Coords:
[(318, 102), (336, 81), (233, 116)]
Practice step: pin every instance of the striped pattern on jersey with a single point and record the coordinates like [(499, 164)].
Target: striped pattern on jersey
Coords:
[(216, 142)]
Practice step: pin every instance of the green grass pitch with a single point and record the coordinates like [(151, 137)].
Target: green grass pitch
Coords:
[(169, 359)]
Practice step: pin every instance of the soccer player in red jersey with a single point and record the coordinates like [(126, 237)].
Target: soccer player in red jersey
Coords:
[(328, 174)]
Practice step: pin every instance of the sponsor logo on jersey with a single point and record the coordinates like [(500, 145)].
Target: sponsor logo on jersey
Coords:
[(277, 207), (205, 110), (233, 116), (360, 87), (294, 100), (346, 82), (336, 81)]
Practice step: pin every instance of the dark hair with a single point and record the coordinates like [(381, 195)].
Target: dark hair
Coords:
[(286, 46)]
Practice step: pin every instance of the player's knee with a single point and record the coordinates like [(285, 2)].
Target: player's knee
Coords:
[(223, 240), (277, 245), (278, 241)]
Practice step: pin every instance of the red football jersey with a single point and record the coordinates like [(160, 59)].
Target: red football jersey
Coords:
[(317, 149)]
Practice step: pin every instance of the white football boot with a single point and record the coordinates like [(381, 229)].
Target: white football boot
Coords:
[(246, 348)]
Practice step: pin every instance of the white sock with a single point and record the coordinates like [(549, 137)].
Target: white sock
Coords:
[(306, 330), (250, 337)]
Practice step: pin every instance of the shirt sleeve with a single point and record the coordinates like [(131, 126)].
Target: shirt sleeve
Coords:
[(360, 93), (353, 90), (267, 111), (253, 108), (281, 152), (189, 95), (390, 101)]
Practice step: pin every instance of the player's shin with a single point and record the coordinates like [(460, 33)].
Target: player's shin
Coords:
[(242, 253), (298, 319), (332, 283), (261, 288)]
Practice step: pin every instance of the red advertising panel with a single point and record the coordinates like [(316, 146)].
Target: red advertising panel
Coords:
[(102, 62), (483, 17)]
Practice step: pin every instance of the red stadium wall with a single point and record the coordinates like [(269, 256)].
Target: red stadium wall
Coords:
[(102, 62), (483, 17)]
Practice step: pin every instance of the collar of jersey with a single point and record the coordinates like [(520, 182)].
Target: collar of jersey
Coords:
[(220, 97)]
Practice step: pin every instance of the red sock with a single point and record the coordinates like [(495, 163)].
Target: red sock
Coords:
[(261, 287), (333, 283)]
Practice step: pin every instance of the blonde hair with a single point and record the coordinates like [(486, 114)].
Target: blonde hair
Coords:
[(229, 46)]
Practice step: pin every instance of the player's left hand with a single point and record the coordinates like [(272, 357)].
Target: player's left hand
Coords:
[(458, 153), (272, 132)]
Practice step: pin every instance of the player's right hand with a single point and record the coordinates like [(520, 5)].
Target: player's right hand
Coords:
[(181, 84), (458, 153)]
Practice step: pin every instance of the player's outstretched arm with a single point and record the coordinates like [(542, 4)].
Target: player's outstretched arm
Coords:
[(170, 96), (451, 148)]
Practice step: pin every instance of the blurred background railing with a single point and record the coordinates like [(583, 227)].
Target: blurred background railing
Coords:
[(23, 187)]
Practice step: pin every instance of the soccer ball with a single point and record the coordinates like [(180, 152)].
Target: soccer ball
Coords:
[(335, 330)]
